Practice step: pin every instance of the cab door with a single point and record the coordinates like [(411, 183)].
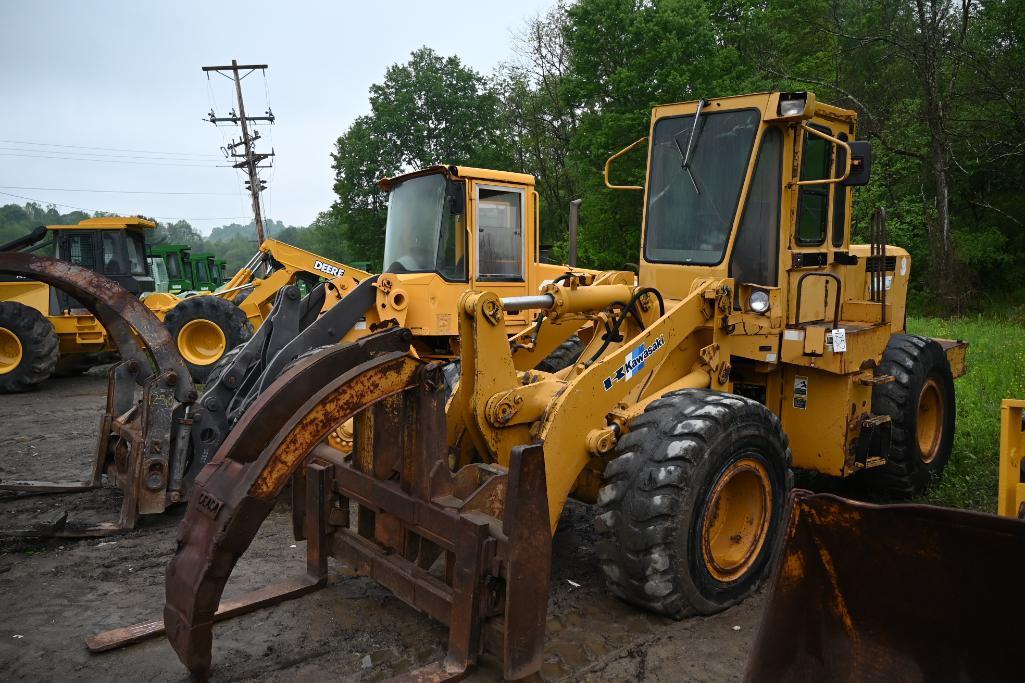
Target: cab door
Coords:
[(81, 247), (500, 228)]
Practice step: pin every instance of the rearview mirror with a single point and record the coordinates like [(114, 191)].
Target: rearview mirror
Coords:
[(861, 163)]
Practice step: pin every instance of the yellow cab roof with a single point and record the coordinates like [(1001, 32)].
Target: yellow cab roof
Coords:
[(108, 223), (764, 101), (461, 172)]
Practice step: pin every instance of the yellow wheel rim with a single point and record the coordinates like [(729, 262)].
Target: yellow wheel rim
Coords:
[(201, 342), (10, 351), (737, 519), (341, 438), (930, 420)]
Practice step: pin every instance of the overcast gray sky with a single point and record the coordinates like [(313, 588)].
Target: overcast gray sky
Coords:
[(110, 96)]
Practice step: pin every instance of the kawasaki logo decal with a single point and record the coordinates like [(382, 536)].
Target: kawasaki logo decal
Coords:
[(634, 362), (333, 271)]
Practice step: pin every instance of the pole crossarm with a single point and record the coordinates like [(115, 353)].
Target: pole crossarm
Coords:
[(250, 160)]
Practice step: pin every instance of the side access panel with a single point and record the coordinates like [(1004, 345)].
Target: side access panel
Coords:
[(821, 414)]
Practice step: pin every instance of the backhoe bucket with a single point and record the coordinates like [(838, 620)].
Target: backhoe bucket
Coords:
[(892, 592), (470, 548)]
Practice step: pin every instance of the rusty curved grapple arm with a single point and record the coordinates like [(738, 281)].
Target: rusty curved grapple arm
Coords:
[(137, 332), (234, 492)]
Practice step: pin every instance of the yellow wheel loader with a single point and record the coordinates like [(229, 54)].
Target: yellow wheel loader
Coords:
[(756, 339)]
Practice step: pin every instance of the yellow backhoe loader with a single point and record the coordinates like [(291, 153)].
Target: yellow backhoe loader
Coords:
[(44, 331), (756, 339), (206, 326)]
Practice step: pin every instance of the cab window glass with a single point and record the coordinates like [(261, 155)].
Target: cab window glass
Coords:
[(136, 254), (691, 210), (755, 258), (813, 200), (201, 273), (111, 262), (174, 267), (840, 195), (499, 234), (452, 246)]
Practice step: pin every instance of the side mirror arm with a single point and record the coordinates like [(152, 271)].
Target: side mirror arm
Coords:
[(608, 164)]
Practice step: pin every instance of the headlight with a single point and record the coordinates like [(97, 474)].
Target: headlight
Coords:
[(759, 301), (792, 104)]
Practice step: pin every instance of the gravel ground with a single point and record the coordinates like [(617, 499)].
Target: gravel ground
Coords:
[(56, 592)]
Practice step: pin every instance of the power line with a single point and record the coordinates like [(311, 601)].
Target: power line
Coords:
[(110, 161), (68, 189), (109, 149), (82, 208), (103, 155)]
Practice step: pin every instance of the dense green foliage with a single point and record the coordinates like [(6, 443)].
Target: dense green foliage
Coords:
[(431, 110), (935, 83), (17, 221)]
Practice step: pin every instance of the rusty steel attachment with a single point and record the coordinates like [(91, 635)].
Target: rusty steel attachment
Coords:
[(143, 439), (471, 548), (892, 592)]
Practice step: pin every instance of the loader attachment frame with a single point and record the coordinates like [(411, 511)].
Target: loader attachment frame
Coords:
[(891, 592), (143, 438), (292, 329), (470, 548)]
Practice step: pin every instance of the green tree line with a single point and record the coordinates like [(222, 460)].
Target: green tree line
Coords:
[(936, 84)]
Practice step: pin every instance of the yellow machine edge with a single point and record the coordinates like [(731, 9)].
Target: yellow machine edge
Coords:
[(1011, 488)]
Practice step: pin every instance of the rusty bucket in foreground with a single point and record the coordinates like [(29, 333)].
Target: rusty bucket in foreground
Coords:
[(892, 592)]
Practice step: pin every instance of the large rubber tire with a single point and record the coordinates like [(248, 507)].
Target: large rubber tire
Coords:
[(693, 504), (920, 403), (29, 348), (212, 327), (564, 356)]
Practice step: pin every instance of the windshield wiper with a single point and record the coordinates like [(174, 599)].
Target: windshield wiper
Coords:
[(690, 146)]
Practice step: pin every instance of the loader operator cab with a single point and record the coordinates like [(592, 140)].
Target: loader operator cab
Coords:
[(177, 262), (453, 228), (220, 271), (114, 247), (756, 188), (203, 273)]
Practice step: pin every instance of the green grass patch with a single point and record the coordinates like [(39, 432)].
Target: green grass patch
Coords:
[(996, 370)]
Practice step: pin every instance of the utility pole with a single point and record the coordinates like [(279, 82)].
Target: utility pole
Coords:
[(248, 159)]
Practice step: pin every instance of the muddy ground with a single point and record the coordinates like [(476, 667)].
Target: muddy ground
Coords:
[(55, 593)]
